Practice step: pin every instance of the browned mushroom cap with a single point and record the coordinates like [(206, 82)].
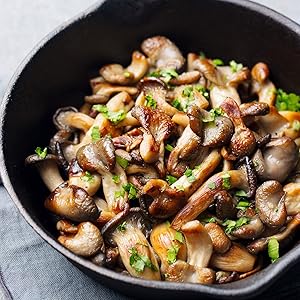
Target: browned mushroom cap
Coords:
[(166, 241), (125, 230), (72, 202), (262, 243), (260, 72), (47, 168), (276, 160), (237, 259), (86, 242), (98, 156), (226, 277), (206, 67), (220, 241), (162, 53), (103, 91), (254, 109), (67, 118), (204, 196), (115, 73), (269, 201), (166, 201), (239, 77), (225, 205), (292, 199), (243, 140)]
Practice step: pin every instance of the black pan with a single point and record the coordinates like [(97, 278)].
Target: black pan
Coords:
[(56, 74)]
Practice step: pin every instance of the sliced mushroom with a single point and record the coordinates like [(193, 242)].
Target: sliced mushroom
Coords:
[(166, 201), (292, 198), (67, 118), (130, 140), (47, 168), (103, 91), (72, 202), (162, 53), (276, 160), (220, 241), (262, 243), (269, 201), (243, 140), (186, 78), (86, 242), (168, 244), (115, 73), (136, 253), (218, 94), (236, 259)]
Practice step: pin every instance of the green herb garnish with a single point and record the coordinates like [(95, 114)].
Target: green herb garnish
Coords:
[(273, 249), (189, 174), (131, 190), (235, 67), (296, 125), (213, 113), (114, 116), (218, 62), (122, 227), (285, 101), (119, 194), (226, 181), (41, 153), (116, 179), (243, 205), (241, 193), (179, 237), (95, 134), (172, 254), (176, 103), (150, 102), (209, 220), (140, 262), (88, 177), (212, 186), (232, 225), (122, 161), (171, 179), (169, 147)]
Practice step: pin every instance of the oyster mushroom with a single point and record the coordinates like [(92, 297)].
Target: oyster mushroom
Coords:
[(68, 118), (87, 241), (225, 205), (220, 241), (236, 259), (218, 94), (262, 243), (162, 53), (269, 201), (115, 73), (277, 159), (204, 196), (169, 245), (129, 140), (158, 127), (47, 168), (166, 200), (186, 78), (126, 231), (243, 140), (103, 91), (100, 157)]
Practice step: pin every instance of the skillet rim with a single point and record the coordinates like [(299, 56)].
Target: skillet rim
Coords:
[(264, 277)]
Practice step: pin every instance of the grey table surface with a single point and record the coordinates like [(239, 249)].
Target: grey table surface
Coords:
[(29, 267)]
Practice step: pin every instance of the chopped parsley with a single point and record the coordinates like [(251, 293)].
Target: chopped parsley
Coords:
[(273, 249), (176, 103), (122, 161), (226, 181), (232, 225), (166, 75), (122, 227), (172, 254), (171, 179), (41, 153), (119, 194), (114, 116), (213, 113), (189, 174), (150, 102), (211, 185), (201, 89), (116, 179), (296, 125), (169, 147), (95, 134), (88, 177), (218, 62), (235, 67), (139, 262), (131, 190), (285, 101)]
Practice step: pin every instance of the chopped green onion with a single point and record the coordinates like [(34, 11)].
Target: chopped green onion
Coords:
[(296, 125), (88, 177), (235, 67), (241, 193), (41, 153), (172, 254), (114, 116), (273, 249), (150, 102), (232, 225), (122, 161), (116, 179), (243, 205), (179, 237), (122, 227), (119, 194), (131, 190), (95, 134), (212, 186), (171, 179), (169, 147), (218, 62), (176, 103), (226, 181), (285, 101)]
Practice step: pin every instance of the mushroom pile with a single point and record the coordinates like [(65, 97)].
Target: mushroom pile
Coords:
[(176, 169)]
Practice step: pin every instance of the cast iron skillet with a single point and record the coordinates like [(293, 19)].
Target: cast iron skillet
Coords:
[(56, 74)]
